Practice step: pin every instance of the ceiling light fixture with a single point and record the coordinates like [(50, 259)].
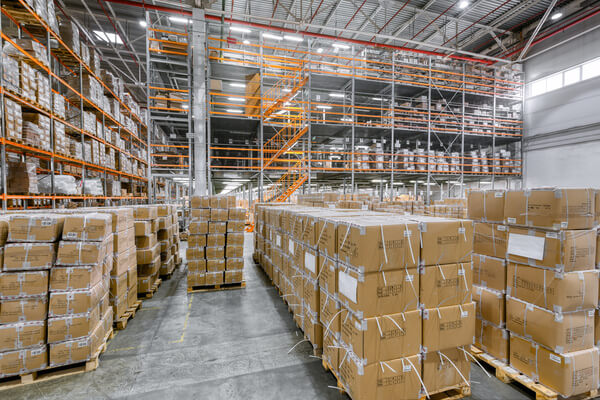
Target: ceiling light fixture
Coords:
[(143, 23), (320, 50), (556, 15), (376, 99), (293, 38), (341, 46), (238, 99), (269, 36), (246, 42), (340, 95), (179, 20), (463, 4), (240, 85), (239, 29), (324, 107), (234, 110)]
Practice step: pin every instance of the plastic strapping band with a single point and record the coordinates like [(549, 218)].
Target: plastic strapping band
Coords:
[(525, 322), (379, 326), (515, 280), (476, 360), (545, 291), (537, 374), (322, 230), (527, 210), (455, 367), (387, 365), (493, 240), (582, 279), (384, 280), (441, 271), (383, 244), (410, 244), (484, 207), (345, 237), (567, 207), (395, 323), (413, 288), (418, 376)]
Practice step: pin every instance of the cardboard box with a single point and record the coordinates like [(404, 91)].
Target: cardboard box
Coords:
[(148, 213), (145, 283), (360, 244), (490, 239), (331, 351), (75, 302), (555, 291), (132, 296), (313, 328), (217, 227), (200, 202), (197, 265), (81, 253), (146, 242), (486, 205), (74, 278), (22, 335), (328, 274), (147, 256), (123, 261), (396, 379), (234, 276), (196, 240), (23, 284), (236, 226), (233, 264), (72, 326), (124, 240), (132, 275), (218, 214), (29, 256), (330, 311), (447, 327), (492, 339), (198, 227), (489, 272), (569, 374), (551, 208), (122, 218), (215, 239), (237, 214), (151, 269), (34, 227), (78, 350), (445, 285), (218, 202), (562, 333), (564, 250), (445, 369), (215, 265), (87, 227), (372, 294), (195, 253), (196, 279), (23, 361), (214, 278), (235, 239), (26, 309), (143, 228), (203, 214), (445, 241), (489, 305), (120, 304), (118, 285), (218, 252), (384, 337), (3, 229)]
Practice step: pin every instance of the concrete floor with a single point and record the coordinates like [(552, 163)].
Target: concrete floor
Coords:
[(216, 345)]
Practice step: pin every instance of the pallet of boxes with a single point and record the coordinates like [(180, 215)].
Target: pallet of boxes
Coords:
[(123, 277), (55, 316), (551, 292), (147, 250), (168, 238), (215, 244), (391, 295)]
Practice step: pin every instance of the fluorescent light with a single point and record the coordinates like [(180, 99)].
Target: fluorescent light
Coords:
[(320, 50), (341, 95), (240, 85), (412, 181), (398, 183), (179, 20), (376, 99), (293, 38), (269, 36), (286, 90), (485, 182), (234, 110), (463, 4), (246, 42), (346, 119), (280, 112), (108, 37), (238, 99), (143, 23), (341, 46), (239, 29), (556, 15), (185, 106), (324, 107), (378, 180)]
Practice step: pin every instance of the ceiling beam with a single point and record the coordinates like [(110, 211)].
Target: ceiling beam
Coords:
[(537, 29), (412, 19)]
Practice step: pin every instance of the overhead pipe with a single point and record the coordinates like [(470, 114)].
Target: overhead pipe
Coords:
[(305, 33)]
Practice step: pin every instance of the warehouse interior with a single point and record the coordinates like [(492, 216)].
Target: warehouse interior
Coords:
[(220, 168)]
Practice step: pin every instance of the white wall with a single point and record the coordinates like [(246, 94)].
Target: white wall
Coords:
[(561, 144)]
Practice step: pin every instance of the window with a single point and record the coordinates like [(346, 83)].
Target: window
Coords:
[(588, 70)]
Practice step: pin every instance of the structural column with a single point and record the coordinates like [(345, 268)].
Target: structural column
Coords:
[(199, 134)]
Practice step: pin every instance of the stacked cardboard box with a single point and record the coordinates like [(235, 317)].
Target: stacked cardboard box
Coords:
[(29, 254), (387, 297), (552, 287), (216, 241), (168, 237), (147, 247), (486, 208), (79, 312)]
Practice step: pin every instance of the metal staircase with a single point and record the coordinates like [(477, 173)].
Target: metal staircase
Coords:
[(280, 110)]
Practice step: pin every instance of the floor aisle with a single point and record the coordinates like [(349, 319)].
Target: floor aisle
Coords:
[(216, 345)]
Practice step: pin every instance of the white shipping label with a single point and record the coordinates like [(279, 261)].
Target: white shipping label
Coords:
[(555, 358), (309, 262), (291, 246), (526, 246), (347, 285), (278, 240)]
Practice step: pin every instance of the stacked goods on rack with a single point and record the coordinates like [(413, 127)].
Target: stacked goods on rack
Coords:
[(548, 237), (147, 248), (29, 247), (168, 237), (552, 287), (79, 314), (486, 208), (386, 297), (215, 242)]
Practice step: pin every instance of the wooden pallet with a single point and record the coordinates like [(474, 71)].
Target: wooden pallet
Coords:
[(452, 393), (340, 385), (121, 322), (214, 288), (509, 375), (149, 294), (49, 374)]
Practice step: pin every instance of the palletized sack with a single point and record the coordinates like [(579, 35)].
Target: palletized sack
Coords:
[(34, 228), (87, 227)]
